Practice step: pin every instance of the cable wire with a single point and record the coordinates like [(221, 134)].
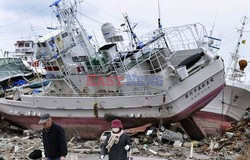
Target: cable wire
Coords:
[(20, 13)]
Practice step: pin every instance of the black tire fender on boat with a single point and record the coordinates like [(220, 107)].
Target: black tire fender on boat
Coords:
[(190, 61)]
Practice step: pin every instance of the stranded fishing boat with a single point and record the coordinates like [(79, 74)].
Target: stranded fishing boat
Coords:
[(233, 102), (26, 49), (164, 76), (13, 70), (17, 67)]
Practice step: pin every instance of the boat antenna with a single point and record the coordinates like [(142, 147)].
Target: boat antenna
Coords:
[(214, 43), (31, 27), (36, 71), (211, 32), (160, 27), (133, 35), (215, 17), (244, 21), (235, 55), (159, 15)]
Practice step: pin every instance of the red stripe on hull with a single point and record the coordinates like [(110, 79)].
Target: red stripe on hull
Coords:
[(213, 123), (214, 116), (92, 128), (86, 128), (196, 106)]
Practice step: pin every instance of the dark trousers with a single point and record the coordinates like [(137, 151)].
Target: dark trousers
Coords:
[(54, 159)]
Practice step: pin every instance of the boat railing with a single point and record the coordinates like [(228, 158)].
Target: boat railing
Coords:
[(181, 38), (18, 61), (155, 58), (184, 37), (110, 94)]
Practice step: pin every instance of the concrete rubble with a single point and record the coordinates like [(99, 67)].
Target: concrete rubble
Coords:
[(169, 144)]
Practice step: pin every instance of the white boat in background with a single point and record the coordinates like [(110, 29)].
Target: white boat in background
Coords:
[(26, 50), (231, 104), (19, 67), (166, 76)]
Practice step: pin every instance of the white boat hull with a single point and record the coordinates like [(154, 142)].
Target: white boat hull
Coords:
[(232, 101), (177, 103), (229, 105)]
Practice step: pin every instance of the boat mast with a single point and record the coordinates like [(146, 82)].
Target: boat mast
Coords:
[(159, 14), (160, 27), (66, 13), (235, 55), (133, 35)]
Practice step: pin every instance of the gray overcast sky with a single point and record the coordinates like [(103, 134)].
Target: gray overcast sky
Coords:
[(17, 16)]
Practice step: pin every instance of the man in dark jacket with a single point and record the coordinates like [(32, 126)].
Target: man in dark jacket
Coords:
[(117, 143), (54, 140)]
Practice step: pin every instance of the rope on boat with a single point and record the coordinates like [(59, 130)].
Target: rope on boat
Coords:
[(162, 113), (95, 106)]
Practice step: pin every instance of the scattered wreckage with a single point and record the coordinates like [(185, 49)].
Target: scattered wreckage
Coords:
[(148, 141)]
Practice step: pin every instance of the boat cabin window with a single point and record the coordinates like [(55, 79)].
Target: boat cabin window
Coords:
[(44, 44), (51, 42), (27, 45), (39, 45), (64, 35), (21, 44)]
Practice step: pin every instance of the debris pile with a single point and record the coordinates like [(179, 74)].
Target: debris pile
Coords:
[(148, 141), (18, 147), (178, 145)]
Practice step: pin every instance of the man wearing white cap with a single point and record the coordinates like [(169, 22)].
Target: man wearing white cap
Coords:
[(54, 140)]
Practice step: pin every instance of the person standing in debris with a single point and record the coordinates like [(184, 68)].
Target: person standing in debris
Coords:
[(54, 140), (117, 143)]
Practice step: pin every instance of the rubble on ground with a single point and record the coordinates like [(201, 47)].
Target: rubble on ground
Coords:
[(172, 143)]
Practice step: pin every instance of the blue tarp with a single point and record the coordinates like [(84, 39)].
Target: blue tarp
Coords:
[(19, 83)]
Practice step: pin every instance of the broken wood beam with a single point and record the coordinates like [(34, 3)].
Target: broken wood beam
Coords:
[(194, 131)]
